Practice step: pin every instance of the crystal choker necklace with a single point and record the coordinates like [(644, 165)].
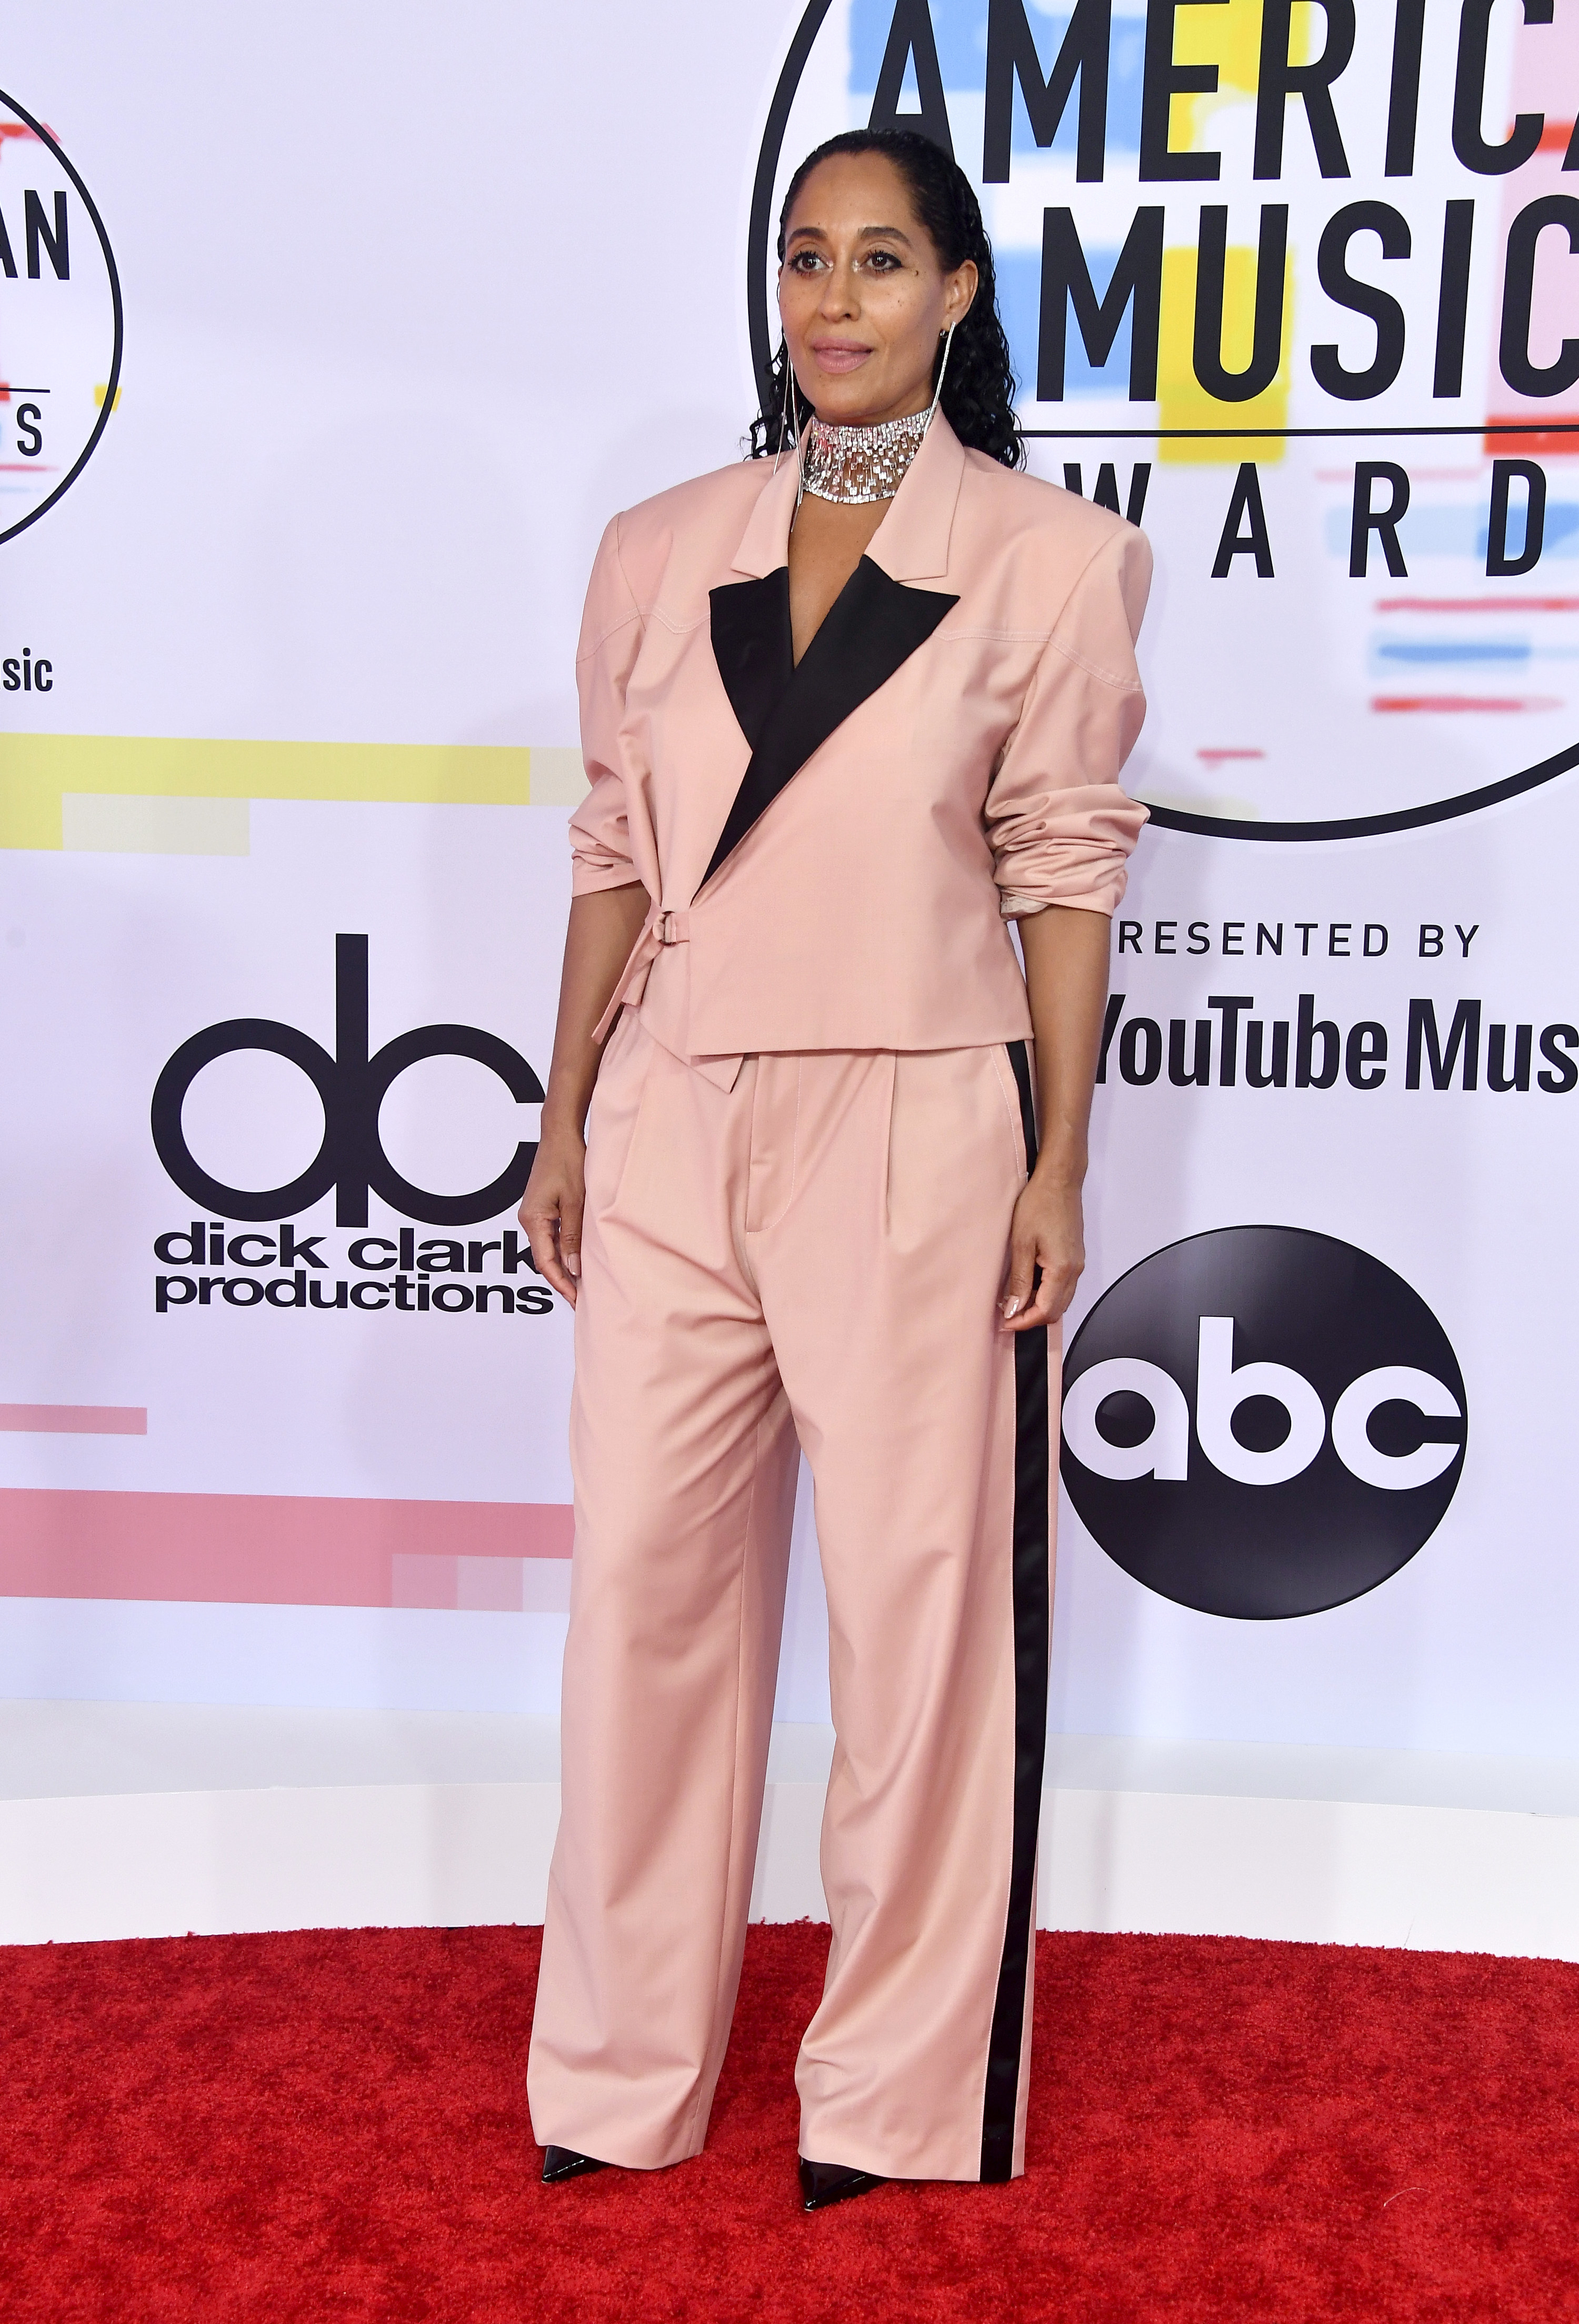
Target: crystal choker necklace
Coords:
[(860, 463)]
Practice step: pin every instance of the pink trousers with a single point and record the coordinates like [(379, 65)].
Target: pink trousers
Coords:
[(809, 1259)]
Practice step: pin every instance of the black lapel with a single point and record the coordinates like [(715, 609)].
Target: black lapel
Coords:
[(754, 648), (872, 627)]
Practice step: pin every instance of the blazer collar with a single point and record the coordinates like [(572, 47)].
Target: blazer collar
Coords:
[(910, 544), (872, 629), (765, 545)]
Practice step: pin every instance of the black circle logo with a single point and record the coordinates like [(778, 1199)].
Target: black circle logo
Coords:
[(1261, 1422), (60, 296)]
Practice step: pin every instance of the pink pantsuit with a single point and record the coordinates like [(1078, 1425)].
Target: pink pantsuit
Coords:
[(811, 1126)]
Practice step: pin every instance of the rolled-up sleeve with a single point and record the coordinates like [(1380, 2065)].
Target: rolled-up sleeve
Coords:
[(611, 637), (1060, 824)]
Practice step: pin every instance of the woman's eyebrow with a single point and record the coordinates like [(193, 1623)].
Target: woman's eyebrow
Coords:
[(820, 234)]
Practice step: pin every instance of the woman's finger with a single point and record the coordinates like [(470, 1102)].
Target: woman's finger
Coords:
[(1051, 1294), (571, 1207), (1055, 1280), (541, 1225), (1015, 1296)]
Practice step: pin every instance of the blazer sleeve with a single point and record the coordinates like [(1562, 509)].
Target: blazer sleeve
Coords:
[(611, 637), (1060, 827)]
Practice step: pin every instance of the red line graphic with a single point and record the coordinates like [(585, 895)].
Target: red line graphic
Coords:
[(1450, 704), (1478, 605), (75, 1419), (252, 1549), (1533, 438)]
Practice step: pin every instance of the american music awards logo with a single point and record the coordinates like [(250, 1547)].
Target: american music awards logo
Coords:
[(60, 323), (1294, 288)]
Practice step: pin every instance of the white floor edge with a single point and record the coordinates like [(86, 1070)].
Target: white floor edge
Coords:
[(383, 1854)]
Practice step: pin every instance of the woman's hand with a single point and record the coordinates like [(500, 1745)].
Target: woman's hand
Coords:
[(1047, 1231), (604, 925), (1066, 979), (551, 1208)]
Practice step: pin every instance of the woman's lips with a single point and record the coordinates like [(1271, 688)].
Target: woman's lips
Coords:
[(839, 355)]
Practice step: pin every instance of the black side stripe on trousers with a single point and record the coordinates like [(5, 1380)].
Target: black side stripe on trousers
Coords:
[(1032, 1482)]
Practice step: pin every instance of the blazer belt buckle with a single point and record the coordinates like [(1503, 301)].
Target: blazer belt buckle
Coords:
[(664, 929)]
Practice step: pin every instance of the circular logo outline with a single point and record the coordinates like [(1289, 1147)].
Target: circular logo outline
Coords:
[(1453, 1472), (46, 137), (1166, 818)]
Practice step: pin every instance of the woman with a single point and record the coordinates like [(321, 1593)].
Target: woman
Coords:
[(847, 711)]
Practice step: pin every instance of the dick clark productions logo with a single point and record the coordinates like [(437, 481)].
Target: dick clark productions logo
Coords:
[(1261, 1422), (352, 1086)]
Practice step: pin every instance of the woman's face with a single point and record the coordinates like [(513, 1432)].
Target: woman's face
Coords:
[(863, 293)]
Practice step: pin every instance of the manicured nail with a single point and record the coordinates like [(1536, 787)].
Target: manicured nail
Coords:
[(1011, 1308), (573, 1265)]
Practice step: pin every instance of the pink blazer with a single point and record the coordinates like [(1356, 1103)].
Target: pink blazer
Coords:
[(832, 848)]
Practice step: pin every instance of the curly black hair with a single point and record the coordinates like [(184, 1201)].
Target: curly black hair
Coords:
[(978, 388)]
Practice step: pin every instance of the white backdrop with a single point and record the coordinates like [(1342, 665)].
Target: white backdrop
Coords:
[(410, 305)]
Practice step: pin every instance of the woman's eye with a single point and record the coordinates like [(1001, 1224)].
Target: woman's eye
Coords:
[(881, 261), (803, 262)]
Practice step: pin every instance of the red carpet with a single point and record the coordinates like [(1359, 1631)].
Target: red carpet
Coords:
[(332, 2125)]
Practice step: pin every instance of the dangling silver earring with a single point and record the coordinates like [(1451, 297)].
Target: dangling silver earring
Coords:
[(943, 366), (787, 434)]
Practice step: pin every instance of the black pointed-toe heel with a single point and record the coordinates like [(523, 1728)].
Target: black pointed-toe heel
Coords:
[(564, 2162), (825, 2184)]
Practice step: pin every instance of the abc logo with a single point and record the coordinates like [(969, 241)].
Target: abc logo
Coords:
[(1261, 1422)]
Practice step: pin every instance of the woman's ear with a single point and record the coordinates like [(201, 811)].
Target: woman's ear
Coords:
[(961, 293)]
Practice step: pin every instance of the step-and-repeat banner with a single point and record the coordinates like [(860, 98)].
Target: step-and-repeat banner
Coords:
[(327, 346)]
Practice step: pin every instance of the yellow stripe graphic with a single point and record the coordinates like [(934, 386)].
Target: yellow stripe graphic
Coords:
[(38, 771), (1228, 35), (1183, 401)]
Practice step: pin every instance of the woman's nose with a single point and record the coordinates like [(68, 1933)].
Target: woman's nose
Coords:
[(839, 293)]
